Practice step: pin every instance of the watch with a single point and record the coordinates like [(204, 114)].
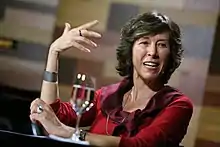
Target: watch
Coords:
[(82, 135)]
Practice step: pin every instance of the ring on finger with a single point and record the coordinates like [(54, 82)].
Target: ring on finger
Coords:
[(39, 109)]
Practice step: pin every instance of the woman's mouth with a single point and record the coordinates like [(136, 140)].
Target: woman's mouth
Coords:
[(151, 64)]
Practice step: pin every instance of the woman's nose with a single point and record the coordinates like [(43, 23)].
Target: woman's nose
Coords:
[(152, 50)]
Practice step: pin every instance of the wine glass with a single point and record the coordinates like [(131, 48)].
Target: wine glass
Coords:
[(82, 96)]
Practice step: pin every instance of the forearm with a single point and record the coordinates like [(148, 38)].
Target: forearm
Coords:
[(95, 140), (52, 61), (65, 131), (49, 89), (102, 140)]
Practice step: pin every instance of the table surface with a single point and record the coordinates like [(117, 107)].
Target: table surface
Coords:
[(16, 139)]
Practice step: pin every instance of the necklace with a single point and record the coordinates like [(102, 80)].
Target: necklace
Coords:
[(123, 105), (106, 124), (131, 95)]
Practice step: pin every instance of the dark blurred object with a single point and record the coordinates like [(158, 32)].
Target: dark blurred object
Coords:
[(7, 44), (214, 68), (15, 109)]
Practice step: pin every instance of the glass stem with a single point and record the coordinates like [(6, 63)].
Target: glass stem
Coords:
[(77, 124)]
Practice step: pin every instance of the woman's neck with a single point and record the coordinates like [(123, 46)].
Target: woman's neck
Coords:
[(143, 89)]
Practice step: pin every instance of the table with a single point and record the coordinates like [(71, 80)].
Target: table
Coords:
[(8, 138)]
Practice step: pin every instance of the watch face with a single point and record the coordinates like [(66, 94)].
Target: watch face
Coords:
[(82, 135)]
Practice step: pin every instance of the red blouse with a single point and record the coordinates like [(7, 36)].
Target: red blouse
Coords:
[(163, 122)]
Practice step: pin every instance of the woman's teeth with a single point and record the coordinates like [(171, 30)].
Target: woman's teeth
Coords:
[(151, 64)]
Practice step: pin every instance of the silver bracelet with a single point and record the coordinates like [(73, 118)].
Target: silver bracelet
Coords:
[(50, 76)]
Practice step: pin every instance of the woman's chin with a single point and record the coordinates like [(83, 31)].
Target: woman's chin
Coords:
[(149, 76)]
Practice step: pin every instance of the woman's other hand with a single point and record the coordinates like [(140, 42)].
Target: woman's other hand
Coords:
[(48, 119), (76, 37)]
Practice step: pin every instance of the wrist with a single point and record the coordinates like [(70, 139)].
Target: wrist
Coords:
[(53, 52), (53, 48), (50, 76), (82, 135), (66, 131), (52, 62)]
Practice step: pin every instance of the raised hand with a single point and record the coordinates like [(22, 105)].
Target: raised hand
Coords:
[(76, 37)]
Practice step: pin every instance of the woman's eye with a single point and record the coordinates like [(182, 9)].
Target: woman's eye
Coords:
[(162, 45), (144, 43)]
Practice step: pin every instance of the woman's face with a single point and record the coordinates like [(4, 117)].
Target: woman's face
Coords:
[(151, 55)]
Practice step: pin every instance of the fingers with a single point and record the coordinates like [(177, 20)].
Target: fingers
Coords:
[(81, 47), (83, 39), (86, 33), (88, 25), (67, 28), (87, 41), (35, 104), (73, 38), (34, 109), (35, 117)]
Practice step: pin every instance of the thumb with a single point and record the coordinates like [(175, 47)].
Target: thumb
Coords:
[(67, 28)]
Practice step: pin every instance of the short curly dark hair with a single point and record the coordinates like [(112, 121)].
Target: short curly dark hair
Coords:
[(150, 23)]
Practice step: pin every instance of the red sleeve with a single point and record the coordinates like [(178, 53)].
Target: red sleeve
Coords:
[(168, 128), (67, 115)]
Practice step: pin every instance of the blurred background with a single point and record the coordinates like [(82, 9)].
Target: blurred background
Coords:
[(27, 27)]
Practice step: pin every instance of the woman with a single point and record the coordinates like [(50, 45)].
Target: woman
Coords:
[(139, 111)]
